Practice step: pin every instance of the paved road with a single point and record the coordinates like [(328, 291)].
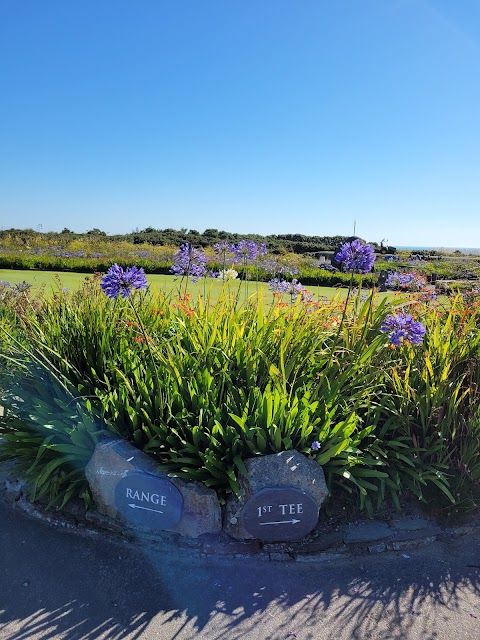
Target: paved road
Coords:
[(57, 584)]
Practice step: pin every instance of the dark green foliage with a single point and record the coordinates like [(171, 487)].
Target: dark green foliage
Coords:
[(48, 433)]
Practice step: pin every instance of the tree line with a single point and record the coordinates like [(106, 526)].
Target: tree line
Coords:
[(276, 243)]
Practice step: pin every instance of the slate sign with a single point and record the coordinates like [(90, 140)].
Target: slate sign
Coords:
[(280, 513), (148, 501)]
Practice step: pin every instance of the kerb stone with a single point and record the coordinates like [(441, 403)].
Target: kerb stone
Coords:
[(367, 532)]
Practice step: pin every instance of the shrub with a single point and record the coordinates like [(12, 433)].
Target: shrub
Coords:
[(203, 385), (48, 433)]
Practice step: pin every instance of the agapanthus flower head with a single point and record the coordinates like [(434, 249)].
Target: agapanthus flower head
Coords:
[(356, 256), (222, 248), (270, 265), (327, 266), (189, 262), (279, 286), (288, 270), (70, 254), (248, 250), (120, 282), (394, 280), (402, 328), (21, 287), (5, 284), (316, 445), (410, 281), (296, 288), (293, 288)]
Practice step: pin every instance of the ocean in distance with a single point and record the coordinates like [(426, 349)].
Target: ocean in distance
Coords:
[(449, 249)]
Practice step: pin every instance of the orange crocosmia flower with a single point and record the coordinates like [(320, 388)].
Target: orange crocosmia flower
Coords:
[(187, 310), (139, 339), (158, 312)]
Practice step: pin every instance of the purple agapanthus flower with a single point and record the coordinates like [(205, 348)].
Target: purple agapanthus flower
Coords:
[(401, 328), (288, 270), (189, 262), (356, 256), (270, 265), (296, 288), (70, 254), (120, 282), (395, 279), (21, 287), (279, 286), (293, 288), (222, 248), (248, 250), (316, 445), (326, 266), (276, 268), (405, 281)]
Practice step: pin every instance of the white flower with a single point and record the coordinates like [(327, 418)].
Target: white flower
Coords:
[(228, 274)]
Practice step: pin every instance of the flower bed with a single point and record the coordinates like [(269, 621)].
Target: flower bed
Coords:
[(382, 395)]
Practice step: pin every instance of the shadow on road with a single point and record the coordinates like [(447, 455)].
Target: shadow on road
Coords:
[(56, 584)]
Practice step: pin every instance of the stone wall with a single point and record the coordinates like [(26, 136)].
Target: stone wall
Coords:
[(279, 499)]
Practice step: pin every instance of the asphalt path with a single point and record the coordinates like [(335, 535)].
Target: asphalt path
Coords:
[(55, 583)]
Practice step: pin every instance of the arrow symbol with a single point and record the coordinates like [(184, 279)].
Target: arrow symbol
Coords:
[(137, 506), (280, 522)]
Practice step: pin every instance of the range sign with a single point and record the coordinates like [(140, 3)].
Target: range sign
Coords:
[(279, 514), (148, 501)]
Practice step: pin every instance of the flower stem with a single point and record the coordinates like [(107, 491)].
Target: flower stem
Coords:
[(147, 342)]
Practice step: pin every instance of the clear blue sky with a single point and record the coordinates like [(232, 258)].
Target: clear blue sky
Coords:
[(266, 116)]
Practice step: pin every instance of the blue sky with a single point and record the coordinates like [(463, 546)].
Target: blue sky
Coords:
[(265, 116)]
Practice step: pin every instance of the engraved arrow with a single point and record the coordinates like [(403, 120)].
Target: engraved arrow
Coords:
[(280, 522), (137, 506)]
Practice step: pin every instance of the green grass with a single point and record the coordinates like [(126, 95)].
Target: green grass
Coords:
[(39, 279), (73, 281)]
